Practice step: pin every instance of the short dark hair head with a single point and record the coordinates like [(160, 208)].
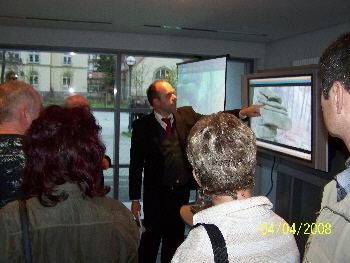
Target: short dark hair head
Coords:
[(63, 145), (152, 92), (335, 64), (222, 152)]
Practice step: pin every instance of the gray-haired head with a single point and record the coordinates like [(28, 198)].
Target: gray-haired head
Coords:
[(222, 152), (14, 95)]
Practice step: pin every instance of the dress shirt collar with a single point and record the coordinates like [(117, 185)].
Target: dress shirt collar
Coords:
[(343, 182), (162, 123)]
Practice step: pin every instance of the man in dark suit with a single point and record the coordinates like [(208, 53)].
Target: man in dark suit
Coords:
[(158, 146)]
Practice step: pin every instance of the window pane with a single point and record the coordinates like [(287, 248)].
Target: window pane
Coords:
[(34, 80), (124, 186), (67, 59), (124, 189), (125, 139), (144, 72), (57, 82), (109, 181), (106, 121)]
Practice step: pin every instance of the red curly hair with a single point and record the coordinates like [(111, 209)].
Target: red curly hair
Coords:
[(63, 145)]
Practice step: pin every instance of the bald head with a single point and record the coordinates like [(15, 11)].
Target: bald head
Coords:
[(76, 101), (14, 95), (20, 104)]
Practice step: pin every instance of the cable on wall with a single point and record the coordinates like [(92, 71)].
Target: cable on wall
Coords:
[(273, 166)]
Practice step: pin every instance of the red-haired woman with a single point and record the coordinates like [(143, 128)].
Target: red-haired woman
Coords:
[(70, 219)]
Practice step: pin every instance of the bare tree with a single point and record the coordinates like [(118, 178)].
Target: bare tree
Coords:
[(138, 77), (172, 77)]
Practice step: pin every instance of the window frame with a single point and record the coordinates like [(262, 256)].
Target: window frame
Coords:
[(32, 76), (159, 70), (65, 80), (34, 57), (67, 59)]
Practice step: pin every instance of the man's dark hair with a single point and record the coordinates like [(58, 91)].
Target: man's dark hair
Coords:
[(335, 64)]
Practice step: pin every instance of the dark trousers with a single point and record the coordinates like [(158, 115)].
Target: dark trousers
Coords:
[(164, 224)]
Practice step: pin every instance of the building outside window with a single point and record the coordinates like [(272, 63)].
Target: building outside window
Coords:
[(34, 57)]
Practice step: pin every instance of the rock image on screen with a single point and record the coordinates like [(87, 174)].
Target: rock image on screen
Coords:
[(286, 118)]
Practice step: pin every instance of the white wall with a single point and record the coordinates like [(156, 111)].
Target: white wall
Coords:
[(305, 46)]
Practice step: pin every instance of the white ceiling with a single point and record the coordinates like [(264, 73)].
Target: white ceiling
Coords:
[(241, 20)]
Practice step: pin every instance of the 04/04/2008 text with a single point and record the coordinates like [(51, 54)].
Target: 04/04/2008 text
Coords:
[(302, 228)]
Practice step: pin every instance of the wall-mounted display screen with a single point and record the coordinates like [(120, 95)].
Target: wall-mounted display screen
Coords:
[(285, 122), (291, 125)]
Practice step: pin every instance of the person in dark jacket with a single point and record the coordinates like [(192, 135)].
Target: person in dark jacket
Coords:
[(158, 146)]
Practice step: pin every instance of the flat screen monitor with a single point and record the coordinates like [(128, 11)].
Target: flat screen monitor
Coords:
[(291, 125), (202, 84)]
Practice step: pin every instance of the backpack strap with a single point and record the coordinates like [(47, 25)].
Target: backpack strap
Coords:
[(217, 242)]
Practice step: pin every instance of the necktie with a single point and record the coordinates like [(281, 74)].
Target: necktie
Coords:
[(168, 125)]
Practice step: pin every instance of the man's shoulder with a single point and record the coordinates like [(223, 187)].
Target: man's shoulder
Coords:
[(184, 109), (144, 120), (11, 137), (329, 194), (11, 144)]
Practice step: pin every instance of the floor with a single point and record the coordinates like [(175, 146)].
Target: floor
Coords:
[(187, 229)]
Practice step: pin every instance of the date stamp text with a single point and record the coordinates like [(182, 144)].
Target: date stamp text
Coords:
[(302, 228)]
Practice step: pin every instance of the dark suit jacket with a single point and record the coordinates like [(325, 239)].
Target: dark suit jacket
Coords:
[(146, 153)]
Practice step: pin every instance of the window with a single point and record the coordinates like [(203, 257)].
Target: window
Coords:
[(66, 81), (33, 79), (67, 59), (90, 66), (162, 74), (34, 57), (94, 56), (13, 56)]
